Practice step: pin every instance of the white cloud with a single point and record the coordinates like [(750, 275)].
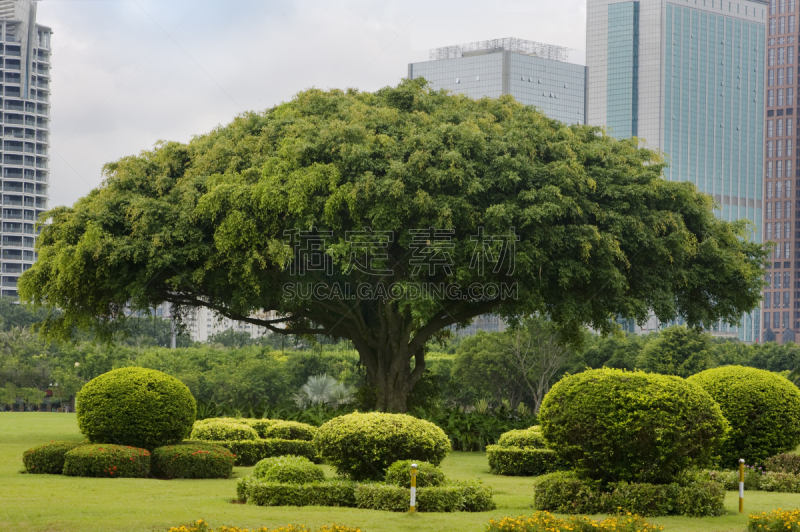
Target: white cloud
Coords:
[(119, 83)]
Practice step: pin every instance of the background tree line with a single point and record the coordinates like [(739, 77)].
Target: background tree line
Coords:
[(511, 368)]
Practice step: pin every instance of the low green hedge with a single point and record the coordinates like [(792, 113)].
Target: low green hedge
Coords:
[(399, 474), (290, 430), (222, 430), (471, 496), (327, 493), (107, 460), (48, 458), (261, 425), (565, 492), (192, 460), (780, 482), (516, 461), (249, 452), (288, 470), (783, 463), (525, 438)]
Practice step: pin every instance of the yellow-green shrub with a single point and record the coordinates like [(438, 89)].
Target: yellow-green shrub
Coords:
[(526, 438), (762, 408), (135, 406), (290, 430), (223, 429), (363, 446), (614, 425)]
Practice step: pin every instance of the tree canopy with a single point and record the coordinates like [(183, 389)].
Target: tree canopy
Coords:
[(396, 189)]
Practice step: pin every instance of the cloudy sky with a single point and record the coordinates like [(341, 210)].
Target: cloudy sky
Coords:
[(127, 73)]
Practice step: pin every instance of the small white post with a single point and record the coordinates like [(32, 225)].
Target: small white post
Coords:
[(413, 508), (741, 485)]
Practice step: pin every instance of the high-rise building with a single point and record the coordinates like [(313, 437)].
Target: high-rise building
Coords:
[(687, 77), (534, 73), (25, 82), (781, 314)]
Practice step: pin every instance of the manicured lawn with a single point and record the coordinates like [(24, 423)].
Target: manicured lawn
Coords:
[(47, 503)]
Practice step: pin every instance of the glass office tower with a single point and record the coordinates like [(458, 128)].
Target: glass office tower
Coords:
[(25, 86), (687, 77), (534, 73)]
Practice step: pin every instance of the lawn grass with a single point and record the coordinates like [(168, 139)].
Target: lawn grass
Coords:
[(54, 503)]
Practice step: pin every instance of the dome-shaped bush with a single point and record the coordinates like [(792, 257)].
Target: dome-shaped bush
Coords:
[(223, 430), (399, 474), (613, 425), (524, 439), (135, 406), (261, 425), (192, 460), (290, 430), (763, 409), (363, 446), (288, 470)]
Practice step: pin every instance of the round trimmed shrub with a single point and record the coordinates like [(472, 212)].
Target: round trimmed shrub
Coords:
[(524, 439), (192, 460), (613, 425), (48, 458), (363, 446), (290, 430), (135, 406), (107, 460), (399, 474), (261, 425), (288, 470), (762, 407), (223, 430)]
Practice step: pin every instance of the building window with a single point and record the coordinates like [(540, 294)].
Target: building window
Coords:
[(788, 170), (771, 97), (769, 189), (780, 76), (780, 97), (788, 212), (769, 232), (776, 320), (779, 153), (771, 56), (781, 56), (772, 7), (787, 280), (769, 211), (782, 7), (770, 78), (770, 128), (790, 50), (770, 150), (787, 230), (785, 305), (769, 163), (781, 25), (778, 210), (789, 101), (791, 6), (788, 154), (779, 189), (772, 26), (780, 127)]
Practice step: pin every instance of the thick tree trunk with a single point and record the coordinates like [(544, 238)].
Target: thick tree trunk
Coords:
[(390, 371)]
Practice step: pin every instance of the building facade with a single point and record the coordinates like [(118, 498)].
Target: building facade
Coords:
[(204, 323), (687, 77), (25, 82), (534, 73), (781, 312)]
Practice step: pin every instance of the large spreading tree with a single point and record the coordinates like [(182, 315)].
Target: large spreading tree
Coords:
[(371, 217)]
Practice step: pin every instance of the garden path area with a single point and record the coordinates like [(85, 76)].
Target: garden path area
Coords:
[(55, 503)]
